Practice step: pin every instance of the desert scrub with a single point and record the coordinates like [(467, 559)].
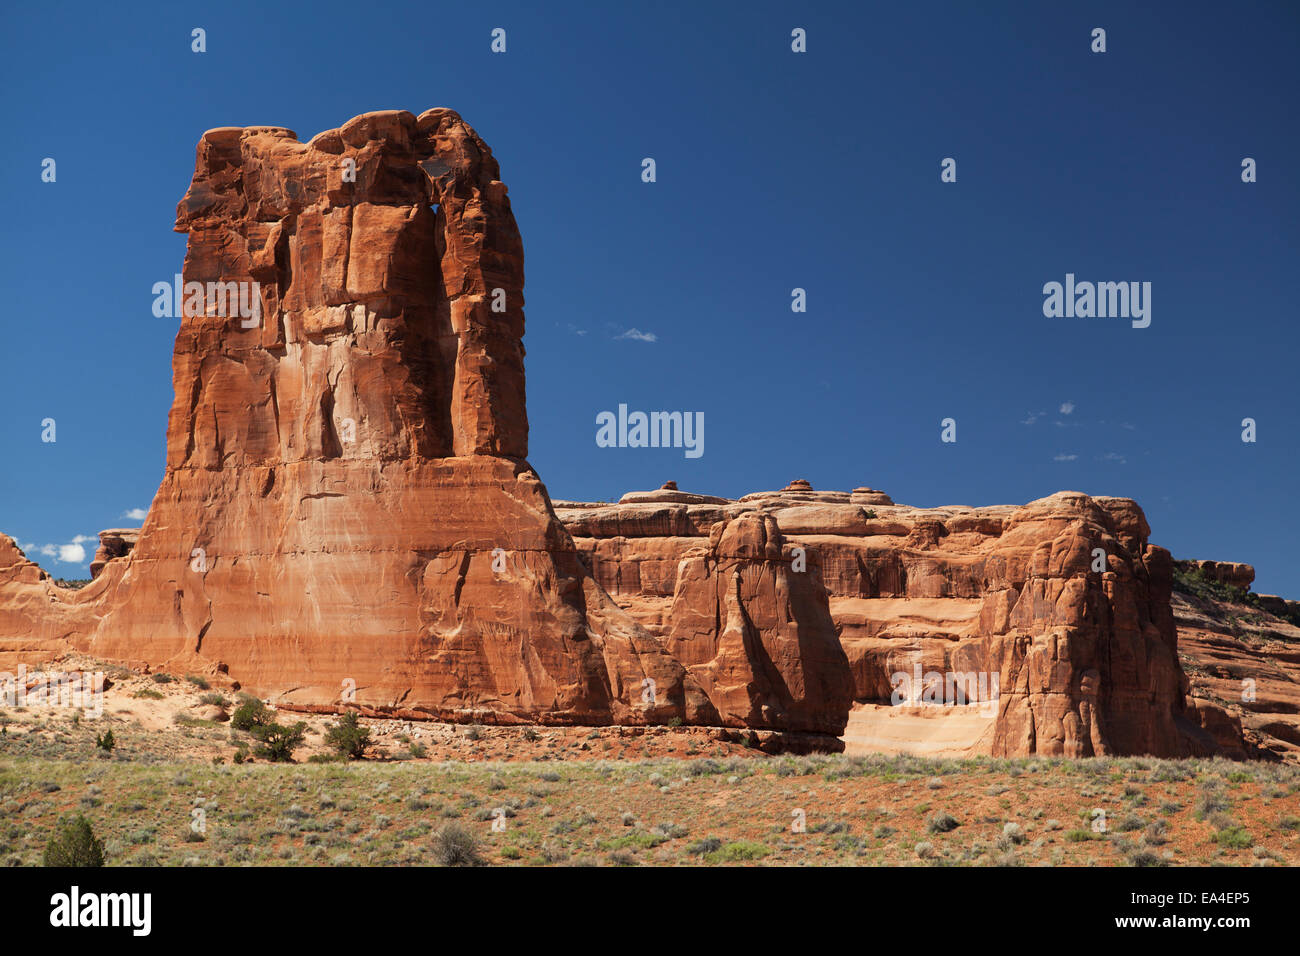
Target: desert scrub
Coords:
[(941, 822), (454, 845), (1212, 800), (1131, 823), (704, 847), (1156, 833), (741, 851), (1082, 836), (671, 831), (631, 841), (1234, 837)]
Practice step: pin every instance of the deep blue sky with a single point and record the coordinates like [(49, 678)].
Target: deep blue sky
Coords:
[(775, 170)]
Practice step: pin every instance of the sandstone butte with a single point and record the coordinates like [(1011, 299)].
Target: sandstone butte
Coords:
[(347, 504)]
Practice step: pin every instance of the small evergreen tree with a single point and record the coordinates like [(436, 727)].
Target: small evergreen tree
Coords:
[(250, 713), (348, 737), (74, 844), (278, 741)]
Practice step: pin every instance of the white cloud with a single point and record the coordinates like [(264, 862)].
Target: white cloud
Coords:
[(638, 336), (1033, 417), (135, 514), (1113, 456), (1067, 408), (72, 553), (1065, 458)]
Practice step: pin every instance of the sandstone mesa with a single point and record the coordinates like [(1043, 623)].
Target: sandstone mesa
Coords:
[(347, 503)]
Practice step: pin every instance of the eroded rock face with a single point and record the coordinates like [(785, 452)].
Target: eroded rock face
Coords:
[(757, 634), (1244, 673), (113, 543), (1225, 572), (347, 514), (1053, 618)]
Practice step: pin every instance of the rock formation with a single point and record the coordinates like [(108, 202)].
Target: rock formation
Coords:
[(348, 518), (347, 513), (113, 543), (1225, 572), (1052, 655)]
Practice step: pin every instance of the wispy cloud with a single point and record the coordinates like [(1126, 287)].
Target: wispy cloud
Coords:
[(1113, 456), (1064, 457), (1067, 408), (135, 514), (1032, 417), (638, 336)]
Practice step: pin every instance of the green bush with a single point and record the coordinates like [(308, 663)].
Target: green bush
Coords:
[(74, 845), (739, 852), (278, 742), (105, 741), (1234, 838), (200, 682), (250, 713), (349, 738)]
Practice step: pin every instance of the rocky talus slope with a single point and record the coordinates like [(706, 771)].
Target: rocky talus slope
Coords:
[(1241, 652)]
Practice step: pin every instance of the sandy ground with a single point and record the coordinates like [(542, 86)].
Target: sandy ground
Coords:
[(926, 731)]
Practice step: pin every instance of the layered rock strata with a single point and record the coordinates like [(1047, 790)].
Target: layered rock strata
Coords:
[(1051, 620)]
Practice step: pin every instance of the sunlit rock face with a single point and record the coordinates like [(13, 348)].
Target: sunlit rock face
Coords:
[(347, 516), (1053, 618), (347, 513)]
